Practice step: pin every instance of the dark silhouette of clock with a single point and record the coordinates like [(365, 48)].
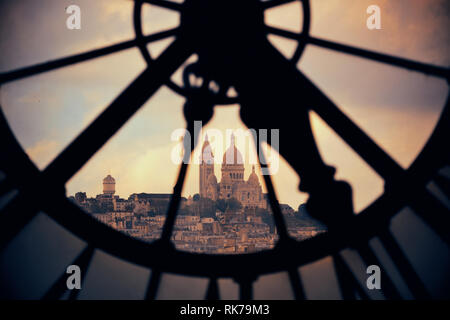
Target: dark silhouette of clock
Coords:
[(236, 53)]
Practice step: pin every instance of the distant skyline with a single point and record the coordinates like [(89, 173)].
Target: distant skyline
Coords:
[(397, 108), (244, 148)]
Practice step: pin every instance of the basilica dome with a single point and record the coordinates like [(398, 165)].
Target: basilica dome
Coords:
[(253, 178), (232, 155)]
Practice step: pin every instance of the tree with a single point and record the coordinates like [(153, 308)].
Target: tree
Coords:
[(207, 208), (234, 204), (221, 205), (184, 211), (94, 207), (262, 212)]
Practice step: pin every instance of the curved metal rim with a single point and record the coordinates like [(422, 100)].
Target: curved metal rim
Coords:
[(171, 260), (278, 259)]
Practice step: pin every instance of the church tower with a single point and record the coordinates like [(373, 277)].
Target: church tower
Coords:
[(206, 167)]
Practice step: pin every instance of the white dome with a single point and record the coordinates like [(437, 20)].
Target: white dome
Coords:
[(253, 178), (232, 155)]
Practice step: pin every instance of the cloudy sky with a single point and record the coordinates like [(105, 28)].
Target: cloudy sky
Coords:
[(397, 108)]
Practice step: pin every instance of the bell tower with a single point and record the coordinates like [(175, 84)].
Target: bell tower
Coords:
[(206, 167)]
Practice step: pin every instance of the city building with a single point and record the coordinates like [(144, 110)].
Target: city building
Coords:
[(232, 183), (232, 230)]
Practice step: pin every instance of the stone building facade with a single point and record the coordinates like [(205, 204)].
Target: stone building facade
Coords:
[(232, 183)]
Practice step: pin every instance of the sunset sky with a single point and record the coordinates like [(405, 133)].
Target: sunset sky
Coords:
[(397, 108)]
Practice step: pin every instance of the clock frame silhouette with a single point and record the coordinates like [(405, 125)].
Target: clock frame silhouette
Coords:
[(233, 55)]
